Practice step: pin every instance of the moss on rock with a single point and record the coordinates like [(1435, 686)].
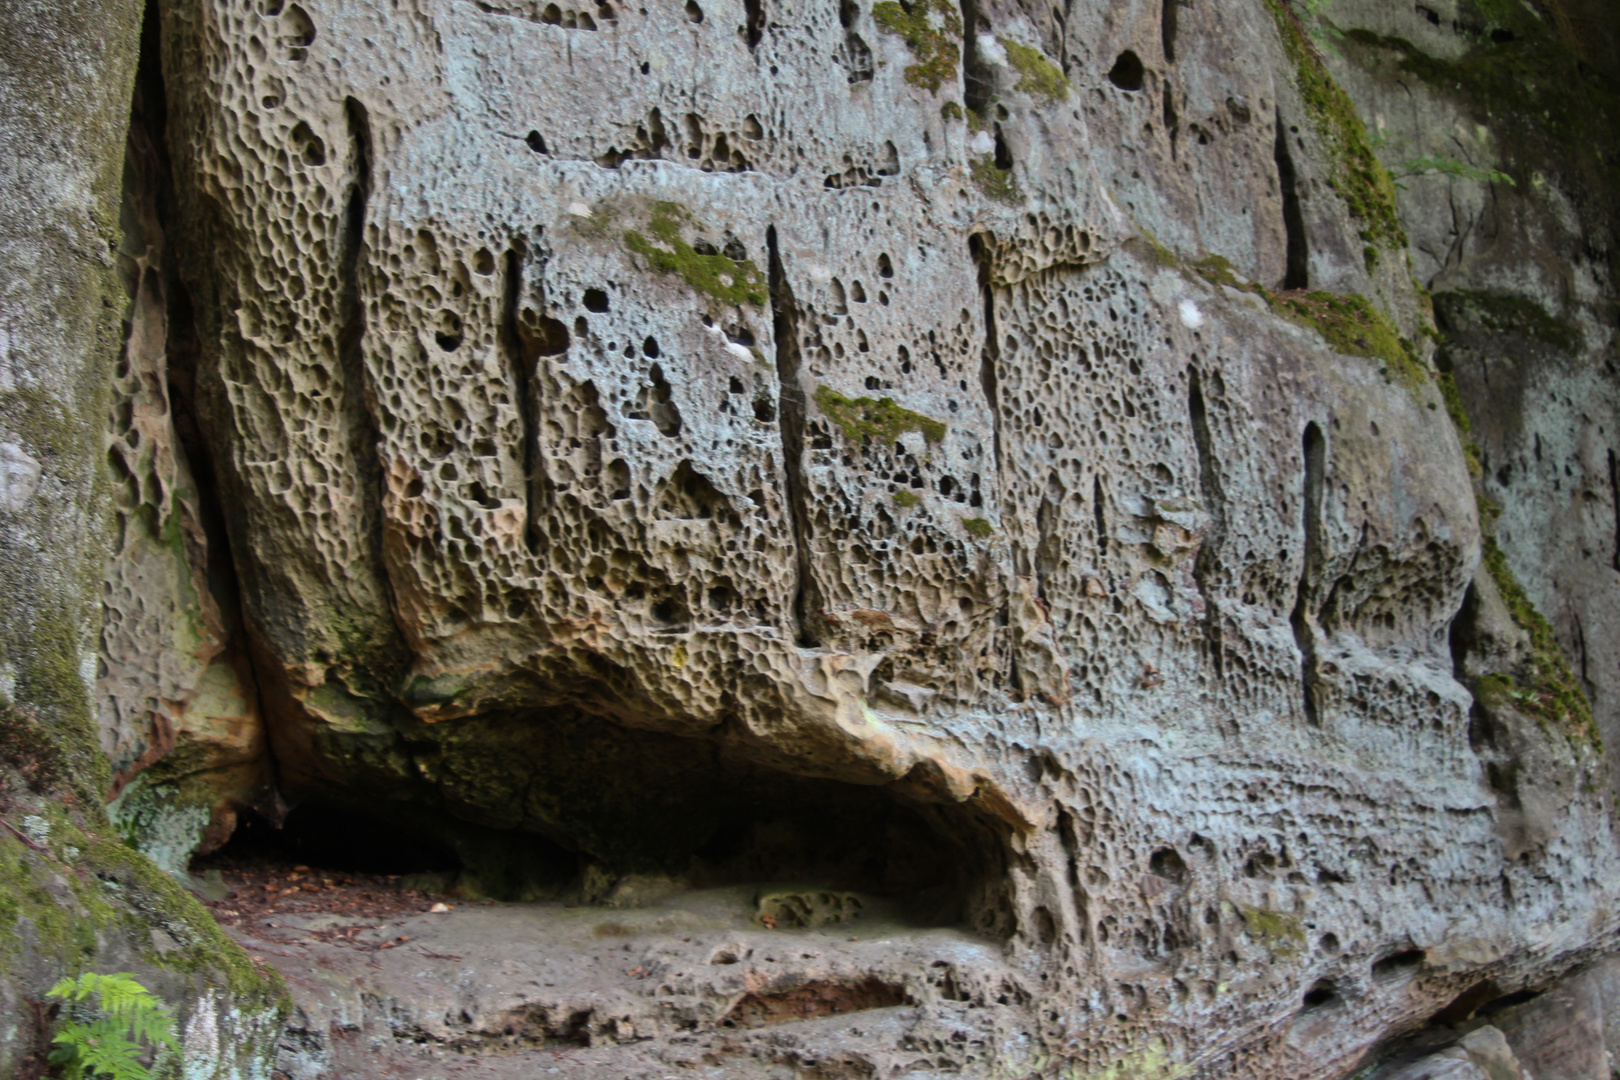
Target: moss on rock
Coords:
[(979, 528), (72, 895), (999, 184), (1349, 323), (1357, 175), (863, 418), (1037, 76), (729, 280), (1281, 934), (935, 44), (1548, 691), (1546, 110)]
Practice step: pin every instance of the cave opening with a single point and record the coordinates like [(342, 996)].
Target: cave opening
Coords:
[(563, 806), (328, 836)]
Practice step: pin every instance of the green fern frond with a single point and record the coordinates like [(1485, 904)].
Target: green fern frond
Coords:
[(110, 1047)]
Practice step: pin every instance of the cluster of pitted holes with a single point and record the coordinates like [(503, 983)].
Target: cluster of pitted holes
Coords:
[(294, 33), (688, 495), (1054, 327), (1395, 967), (654, 400), (860, 174), (655, 139), (552, 15)]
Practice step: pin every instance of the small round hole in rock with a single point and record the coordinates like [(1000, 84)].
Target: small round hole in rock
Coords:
[(693, 12), (536, 142), (1127, 72), (596, 300), (1395, 965), (1320, 995)]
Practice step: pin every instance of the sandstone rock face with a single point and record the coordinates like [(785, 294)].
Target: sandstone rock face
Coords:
[(677, 444)]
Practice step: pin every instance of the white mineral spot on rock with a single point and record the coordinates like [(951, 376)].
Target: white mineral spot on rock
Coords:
[(579, 209), (982, 143), (1191, 317), (991, 49), (19, 477)]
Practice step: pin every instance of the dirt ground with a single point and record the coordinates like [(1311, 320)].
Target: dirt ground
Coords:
[(397, 983)]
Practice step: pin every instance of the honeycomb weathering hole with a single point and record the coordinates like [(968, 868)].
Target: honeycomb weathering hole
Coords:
[(1127, 72)]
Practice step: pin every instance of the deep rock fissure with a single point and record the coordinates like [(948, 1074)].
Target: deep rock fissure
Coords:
[(521, 361), (1315, 452), (365, 437), (754, 24), (978, 78), (1296, 274), (1614, 498), (790, 422), (150, 194), (1215, 503)]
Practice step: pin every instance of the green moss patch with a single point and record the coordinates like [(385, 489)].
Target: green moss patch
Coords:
[(713, 275), (950, 111), (1280, 934), (1037, 76), (1218, 270), (999, 184), (1347, 322), (73, 895), (1351, 325), (936, 45), (863, 418), (978, 527), (1358, 176), (906, 499), (1549, 692), (1509, 314)]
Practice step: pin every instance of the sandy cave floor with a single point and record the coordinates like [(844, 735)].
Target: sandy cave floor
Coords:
[(396, 983)]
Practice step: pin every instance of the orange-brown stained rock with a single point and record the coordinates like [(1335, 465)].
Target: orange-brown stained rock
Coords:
[(816, 999)]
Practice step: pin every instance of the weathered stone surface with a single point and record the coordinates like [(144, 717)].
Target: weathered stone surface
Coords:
[(73, 897), (892, 450)]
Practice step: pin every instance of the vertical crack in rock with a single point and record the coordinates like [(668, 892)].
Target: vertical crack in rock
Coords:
[(1172, 122), (367, 440), (1580, 647), (521, 356), (1329, 615), (1460, 636), (1209, 483), (1614, 498), (1304, 633), (1296, 273), (1102, 519), (163, 320), (1167, 28), (978, 82), (754, 22), (990, 357), (791, 421)]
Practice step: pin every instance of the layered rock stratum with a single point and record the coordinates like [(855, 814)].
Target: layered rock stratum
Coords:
[(1118, 496)]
